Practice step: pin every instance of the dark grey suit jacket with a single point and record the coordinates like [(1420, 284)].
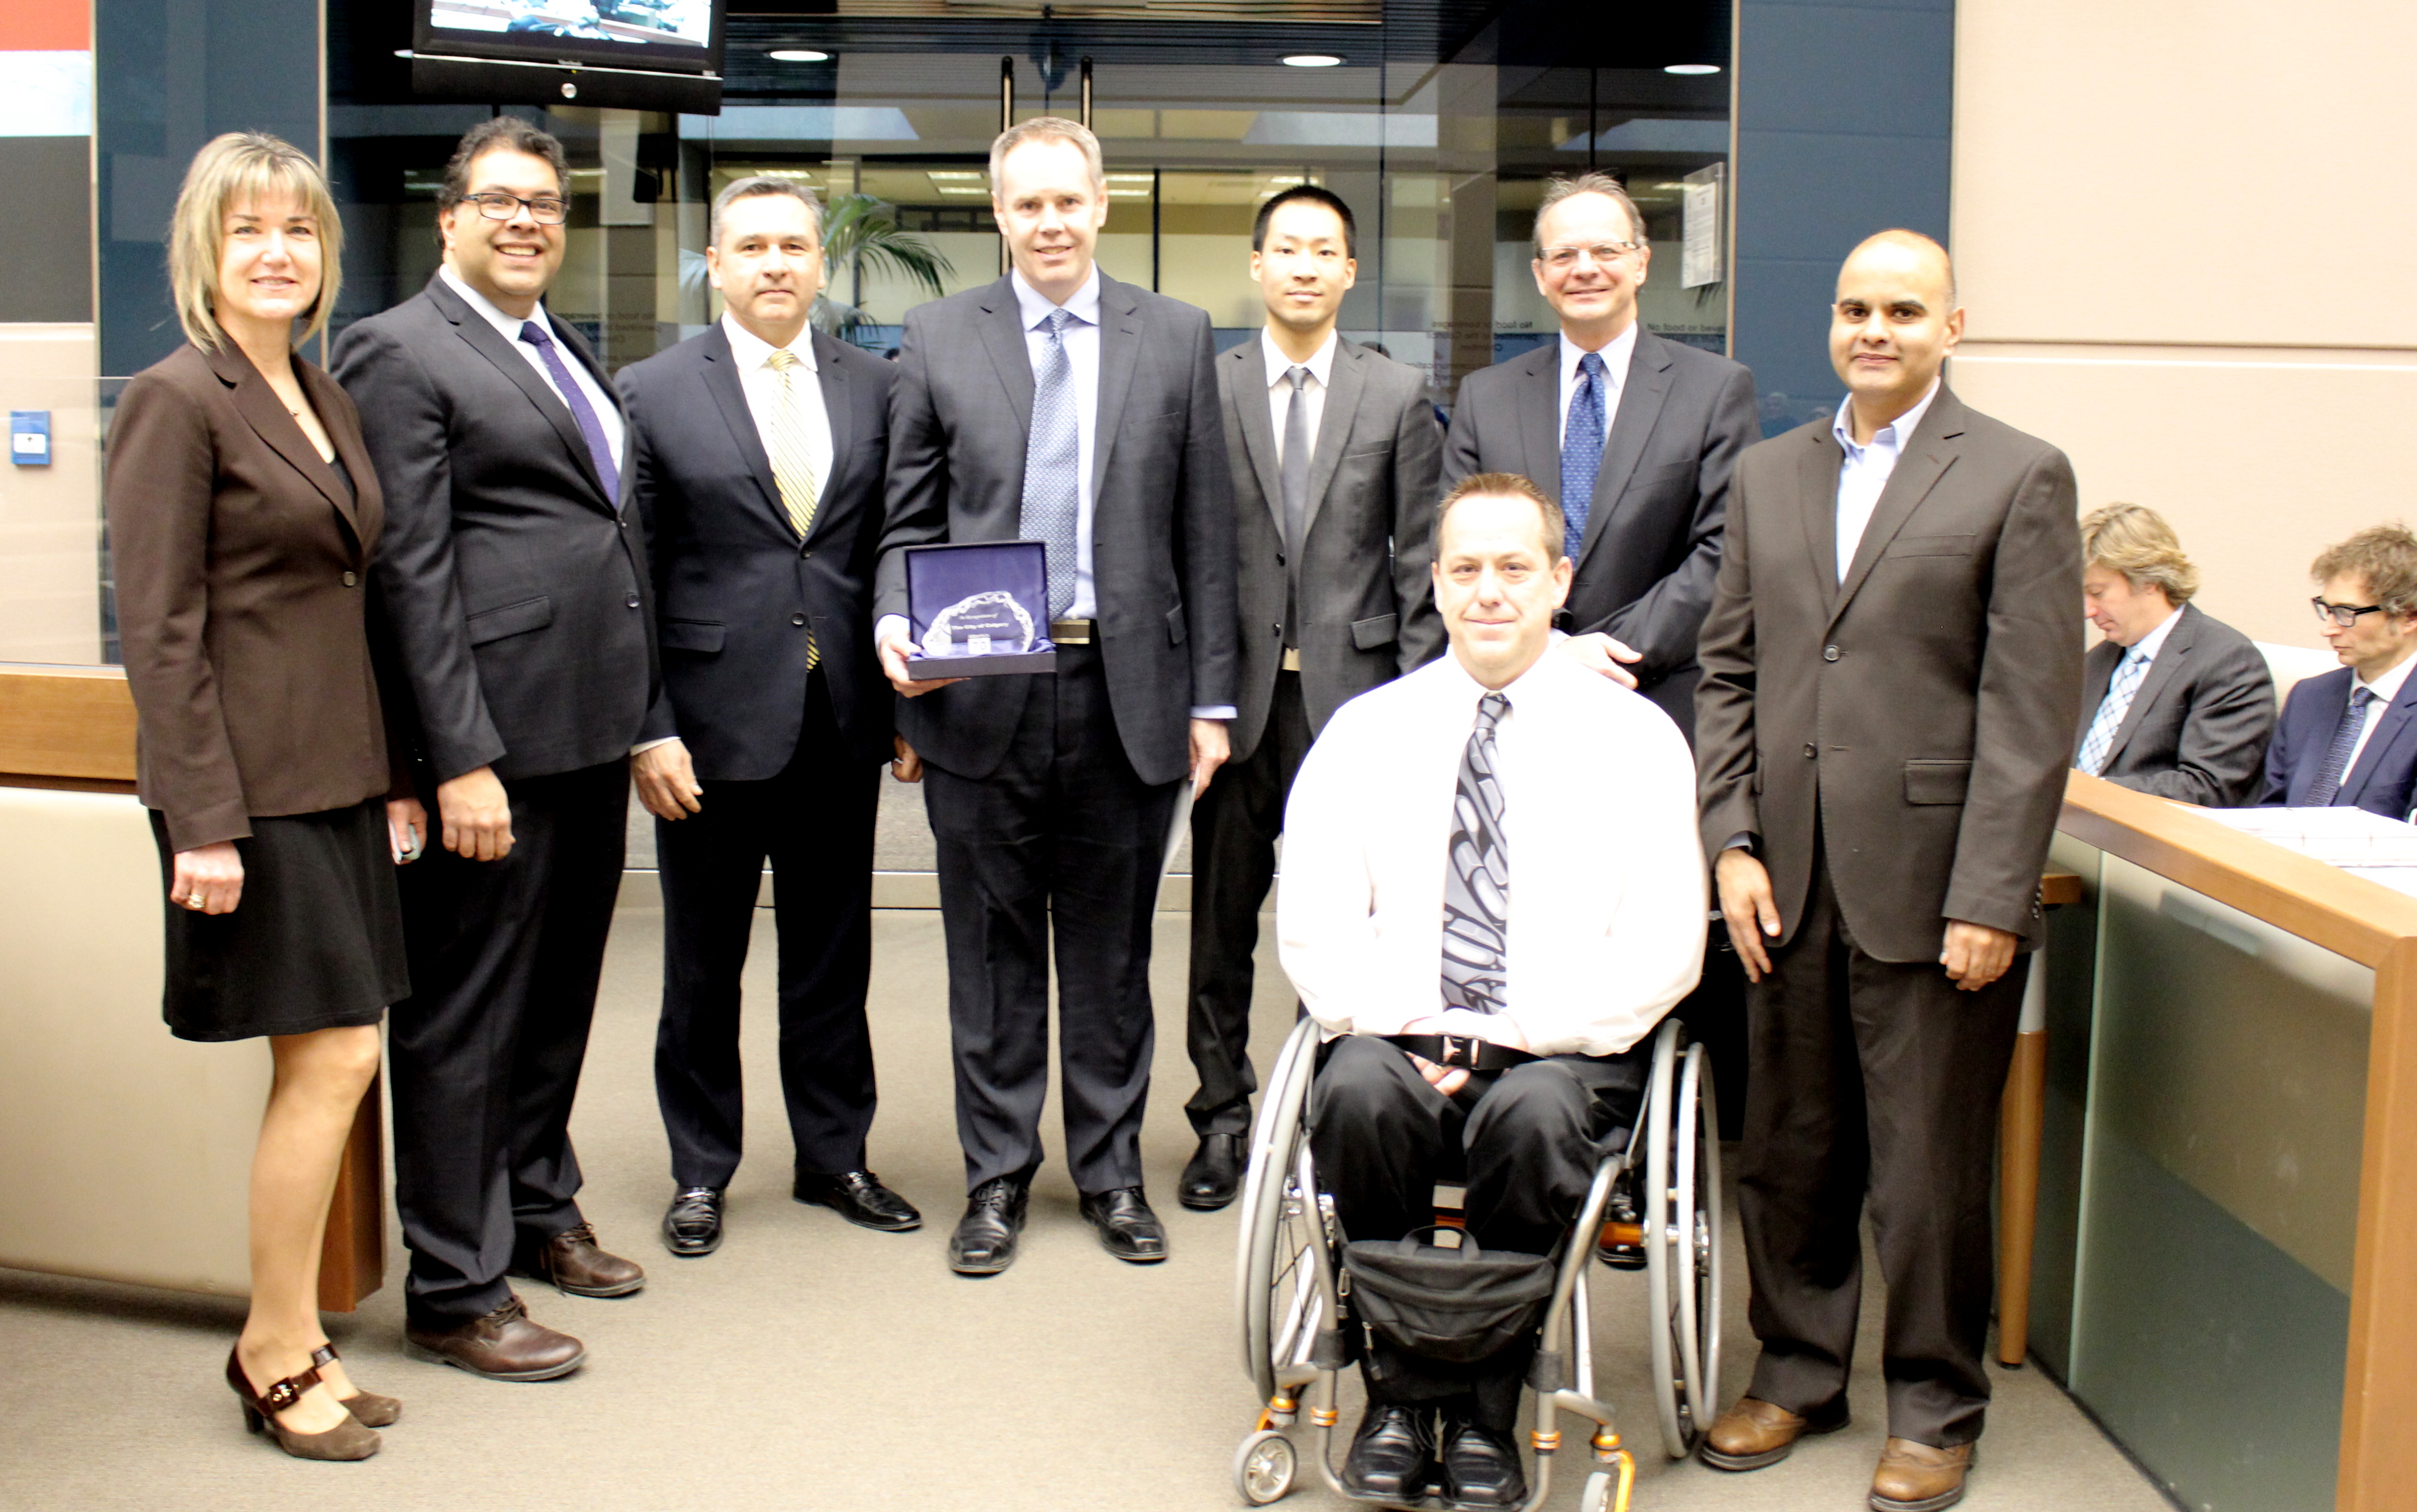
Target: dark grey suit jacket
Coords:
[(1363, 600), (1161, 521), (1653, 542), (2197, 727), (737, 593), (516, 588), (1918, 713)]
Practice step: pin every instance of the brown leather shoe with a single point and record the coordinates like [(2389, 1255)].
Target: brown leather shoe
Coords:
[(571, 1261), (1918, 1478), (505, 1345), (1754, 1433)]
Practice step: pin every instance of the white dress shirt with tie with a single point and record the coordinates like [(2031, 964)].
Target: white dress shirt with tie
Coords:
[(1313, 393), (1606, 882), (608, 414), (2122, 686), (761, 384), (1866, 470), (1616, 354), (2386, 688)]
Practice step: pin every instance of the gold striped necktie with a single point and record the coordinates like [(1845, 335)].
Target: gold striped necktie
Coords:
[(793, 469)]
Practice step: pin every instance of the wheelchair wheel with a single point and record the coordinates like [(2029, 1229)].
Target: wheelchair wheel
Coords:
[(1280, 1268), (1682, 1249), (1263, 1468)]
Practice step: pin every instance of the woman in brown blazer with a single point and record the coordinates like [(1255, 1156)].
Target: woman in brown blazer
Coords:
[(243, 514)]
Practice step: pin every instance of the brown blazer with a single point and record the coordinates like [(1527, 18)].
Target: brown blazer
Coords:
[(242, 567), (1925, 708)]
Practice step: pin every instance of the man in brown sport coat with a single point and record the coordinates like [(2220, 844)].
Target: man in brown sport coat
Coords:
[(1891, 679)]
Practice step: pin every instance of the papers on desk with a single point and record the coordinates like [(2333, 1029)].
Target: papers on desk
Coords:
[(2382, 849)]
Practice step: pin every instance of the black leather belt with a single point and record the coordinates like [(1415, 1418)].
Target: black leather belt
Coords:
[(1462, 1050), (1071, 631)]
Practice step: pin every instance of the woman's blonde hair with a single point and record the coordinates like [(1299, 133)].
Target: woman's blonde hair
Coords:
[(238, 166)]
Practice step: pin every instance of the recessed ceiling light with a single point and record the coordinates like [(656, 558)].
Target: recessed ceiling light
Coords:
[(1687, 68), (1312, 60), (798, 54), (952, 176)]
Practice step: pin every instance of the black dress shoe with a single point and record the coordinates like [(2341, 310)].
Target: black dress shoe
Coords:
[(1480, 1467), (985, 1243), (859, 1197), (693, 1224), (1392, 1455), (1128, 1229), (1214, 1174)]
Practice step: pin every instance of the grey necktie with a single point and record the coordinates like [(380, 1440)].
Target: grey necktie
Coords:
[(1052, 462), (2330, 772), (1294, 472), (1477, 875)]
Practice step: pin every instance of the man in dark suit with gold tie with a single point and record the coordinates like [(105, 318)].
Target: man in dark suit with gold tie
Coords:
[(1335, 455), (756, 462)]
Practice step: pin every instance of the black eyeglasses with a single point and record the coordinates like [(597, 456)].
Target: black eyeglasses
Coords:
[(2345, 615), (545, 209)]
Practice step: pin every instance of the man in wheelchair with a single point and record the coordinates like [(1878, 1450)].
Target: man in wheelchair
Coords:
[(1493, 891)]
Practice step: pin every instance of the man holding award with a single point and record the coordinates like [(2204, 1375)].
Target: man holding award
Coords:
[(1056, 406)]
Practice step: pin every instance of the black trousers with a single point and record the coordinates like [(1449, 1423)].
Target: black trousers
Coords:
[(1233, 830), (1873, 1077), (486, 1051), (814, 821), (1061, 841), (1527, 1139)]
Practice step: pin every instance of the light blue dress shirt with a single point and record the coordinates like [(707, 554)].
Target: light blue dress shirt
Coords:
[(1867, 468)]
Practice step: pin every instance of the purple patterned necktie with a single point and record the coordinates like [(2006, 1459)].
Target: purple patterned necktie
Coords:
[(2327, 787), (1477, 875), (1582, 451), (590, 428)]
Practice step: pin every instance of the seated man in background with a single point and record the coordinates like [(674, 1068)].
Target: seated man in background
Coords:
[(2345, 738), (2173, 702), (1491, 863)]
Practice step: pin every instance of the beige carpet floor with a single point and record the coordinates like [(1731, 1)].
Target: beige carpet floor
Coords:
[(809, 1365)]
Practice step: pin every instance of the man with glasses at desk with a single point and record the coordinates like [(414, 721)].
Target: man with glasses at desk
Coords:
[(2346, 739)]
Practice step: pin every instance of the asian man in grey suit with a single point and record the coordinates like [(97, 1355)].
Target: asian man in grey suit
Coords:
[(1634, 436), (1060, 405), (1335, 454), (517, 589), (2172, 701)]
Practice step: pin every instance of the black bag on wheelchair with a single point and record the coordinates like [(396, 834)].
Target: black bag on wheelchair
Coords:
[(1460, 1306)]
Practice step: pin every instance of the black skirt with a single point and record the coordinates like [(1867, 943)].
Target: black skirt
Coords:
[(314, 943)]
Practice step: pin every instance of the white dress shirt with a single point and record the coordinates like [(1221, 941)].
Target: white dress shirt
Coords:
[(1867, 468), (758, 380), (1082, 341), (1607, 904), (1313, 393), (1616, 354), (608, 414), (2386, 688)]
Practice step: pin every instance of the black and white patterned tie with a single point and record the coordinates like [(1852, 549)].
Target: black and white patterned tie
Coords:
[(1477, 875), (1052, 462)]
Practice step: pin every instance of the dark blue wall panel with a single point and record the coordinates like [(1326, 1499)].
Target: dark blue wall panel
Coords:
[(1844, 113), (170, 75)]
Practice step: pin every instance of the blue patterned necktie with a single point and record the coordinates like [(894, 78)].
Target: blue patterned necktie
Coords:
[(2327, 787), (1477, 875), (1052, 462), (1582, 451), (590, 430), (2097, 745)]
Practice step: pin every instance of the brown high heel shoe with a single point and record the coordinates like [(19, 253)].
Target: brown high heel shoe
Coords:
[(366, 1407), (347, 1439)]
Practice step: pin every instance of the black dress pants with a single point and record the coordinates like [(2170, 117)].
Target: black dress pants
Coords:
[(1062, 840), (1233, 830), (505, 956), (1873, 1077), (1528, 1141), (814, 821)]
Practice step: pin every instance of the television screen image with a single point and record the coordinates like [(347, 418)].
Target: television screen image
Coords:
[(679, 23)]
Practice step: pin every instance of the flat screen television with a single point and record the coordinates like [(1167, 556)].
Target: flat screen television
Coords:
[(595, 52)]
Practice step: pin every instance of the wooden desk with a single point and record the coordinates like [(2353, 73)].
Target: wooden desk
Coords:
[(2374, 926), (72, 728)]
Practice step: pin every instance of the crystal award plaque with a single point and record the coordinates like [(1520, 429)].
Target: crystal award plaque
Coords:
[(978, 609)]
